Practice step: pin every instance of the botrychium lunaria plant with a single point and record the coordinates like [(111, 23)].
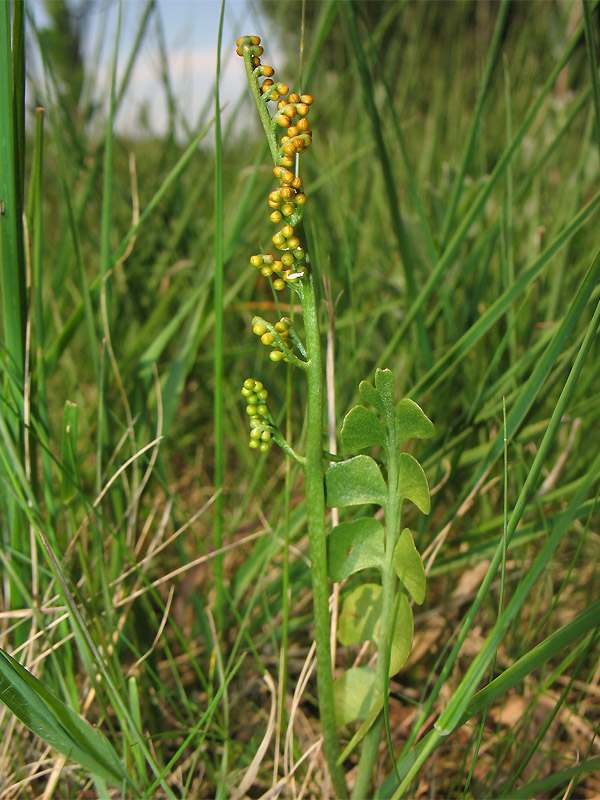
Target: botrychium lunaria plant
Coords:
[(379, 612)]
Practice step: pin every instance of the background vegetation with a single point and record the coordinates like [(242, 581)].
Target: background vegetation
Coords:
[(453, 190)]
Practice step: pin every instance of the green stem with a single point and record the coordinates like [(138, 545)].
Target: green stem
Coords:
[(315, 494), (312, 464), (372, 739), (12, 258), (219, 345), (261, 105), (283, 443), (283, 346)]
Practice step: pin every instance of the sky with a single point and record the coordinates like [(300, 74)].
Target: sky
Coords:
[(191, 34)]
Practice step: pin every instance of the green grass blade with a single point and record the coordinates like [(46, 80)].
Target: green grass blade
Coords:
[(460, 699), (141, 31), (86, 302), (536, 745), (456, 352), (467, 156), (519, 409), (381, 151), (592, 61), (507, 238), (18, 83), (108, 169), (219, 407), (202, 721), (542, 369), (536, 658), (12, 262), (477, 206), (38, 395), (545, 785), (68, 330), (425, 228), (55, 723)]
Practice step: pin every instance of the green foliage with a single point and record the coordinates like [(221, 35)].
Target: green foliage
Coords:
[(361, 615), (56, 724), (353, 694), (356, 481), (353, 546), (411, 422), (360, 620), (62, 43), (379, 613), (409, 567), (362, 429), (412, 483)]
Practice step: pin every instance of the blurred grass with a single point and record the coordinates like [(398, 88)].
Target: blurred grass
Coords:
[(107, 402)]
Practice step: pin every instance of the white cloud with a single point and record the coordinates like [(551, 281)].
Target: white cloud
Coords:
[(192, 79), (189, 32)]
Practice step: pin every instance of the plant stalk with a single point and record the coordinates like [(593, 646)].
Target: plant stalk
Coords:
[(370, 748), (261, 106), (312, 465), (315, 495)]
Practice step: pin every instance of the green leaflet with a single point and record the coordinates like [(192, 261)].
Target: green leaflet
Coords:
[(353, 693), (412, 483), (384, 384), (356, 481), (361, 429), (402, 637), (366, 725), (409, 566), (354, 546), (370, 395), (360, 615), (411, 422), (361, 619)]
